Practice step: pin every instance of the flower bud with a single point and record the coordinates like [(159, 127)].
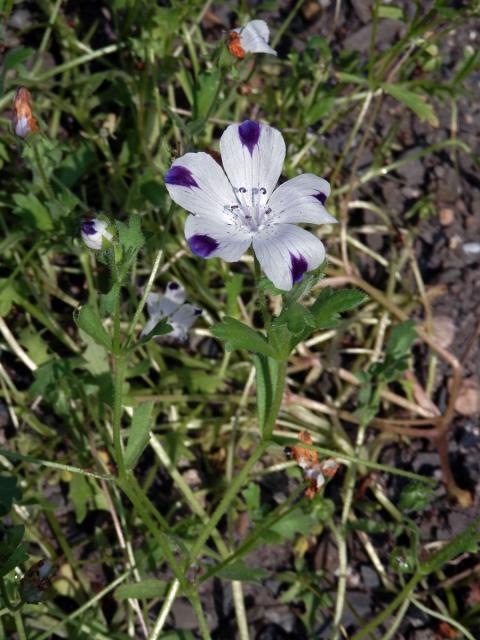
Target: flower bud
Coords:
[(96, 234), (23, 120)]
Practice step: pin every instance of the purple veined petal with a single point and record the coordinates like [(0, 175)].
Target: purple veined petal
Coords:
[(298, 266), (301, 199), (286, 252), (88, 227), (202, 245), (180, 177), (211, 239), (249, 132), (254, 37), (321, 197), (252, 156), (95, 234), (198, 184), (175, 293)]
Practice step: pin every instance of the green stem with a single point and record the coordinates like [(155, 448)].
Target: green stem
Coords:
[(342, 533), (119, 378), (276, 400), (388, 611), (227, 499), (202, 622), (157, 534), (165, 610), (20, 627), (47, 189)]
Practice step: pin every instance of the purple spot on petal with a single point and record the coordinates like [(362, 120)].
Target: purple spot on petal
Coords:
[(298, 266), (198, 312), (180, 177), (249, 132), (202, 245), (321, 197), (173, 286), (88, 227)]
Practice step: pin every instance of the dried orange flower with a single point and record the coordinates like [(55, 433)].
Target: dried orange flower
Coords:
[(23, 120), (314, 471)]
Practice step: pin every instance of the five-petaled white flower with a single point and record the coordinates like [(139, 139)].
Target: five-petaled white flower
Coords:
[(253, 37), (171, 307), (232, 211), (95, 234)]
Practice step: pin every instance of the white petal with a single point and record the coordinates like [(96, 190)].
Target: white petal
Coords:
[(182, 320), (252, 156), (301, 199), (209, 239), (254, 37), (286, 252), (198, 184), (159, 306)]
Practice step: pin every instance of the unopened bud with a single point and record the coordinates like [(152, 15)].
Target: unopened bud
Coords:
[(96, 234)]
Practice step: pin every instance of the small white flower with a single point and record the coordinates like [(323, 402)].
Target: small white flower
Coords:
[(233, 211), (171, 307), (95, 234), (253, 38)]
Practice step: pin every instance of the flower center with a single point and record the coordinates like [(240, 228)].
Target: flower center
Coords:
[(250, 211)]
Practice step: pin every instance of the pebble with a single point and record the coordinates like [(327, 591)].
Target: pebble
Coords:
[(446, 216), (471, 248)]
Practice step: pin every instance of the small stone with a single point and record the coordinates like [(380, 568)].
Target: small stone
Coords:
[(446, 216), (363, 9), (471, 248), (468, 399), (454, 242), (443, 330)]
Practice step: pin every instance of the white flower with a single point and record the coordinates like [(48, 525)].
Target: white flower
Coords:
[(95, 234), (233, 211), (171, 306), (253, 37)]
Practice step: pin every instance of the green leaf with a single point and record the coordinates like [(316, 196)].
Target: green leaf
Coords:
[(415, 497), (162, 328), (19, 556), (143, 590), (237, 335), (139, 433), (239, 571), (414, 101), (266, 374), (402, 336), (251, 495), (293, 522), (299, 319), (89, 321), (32, 210), (9, 492), (319, 109), (207, 87), (330, 304), (130, 235), (7, 295), (391, 12), (234, 289), (80, 493), (15, 57), (350, 78), (11, 537), (108, 300)]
